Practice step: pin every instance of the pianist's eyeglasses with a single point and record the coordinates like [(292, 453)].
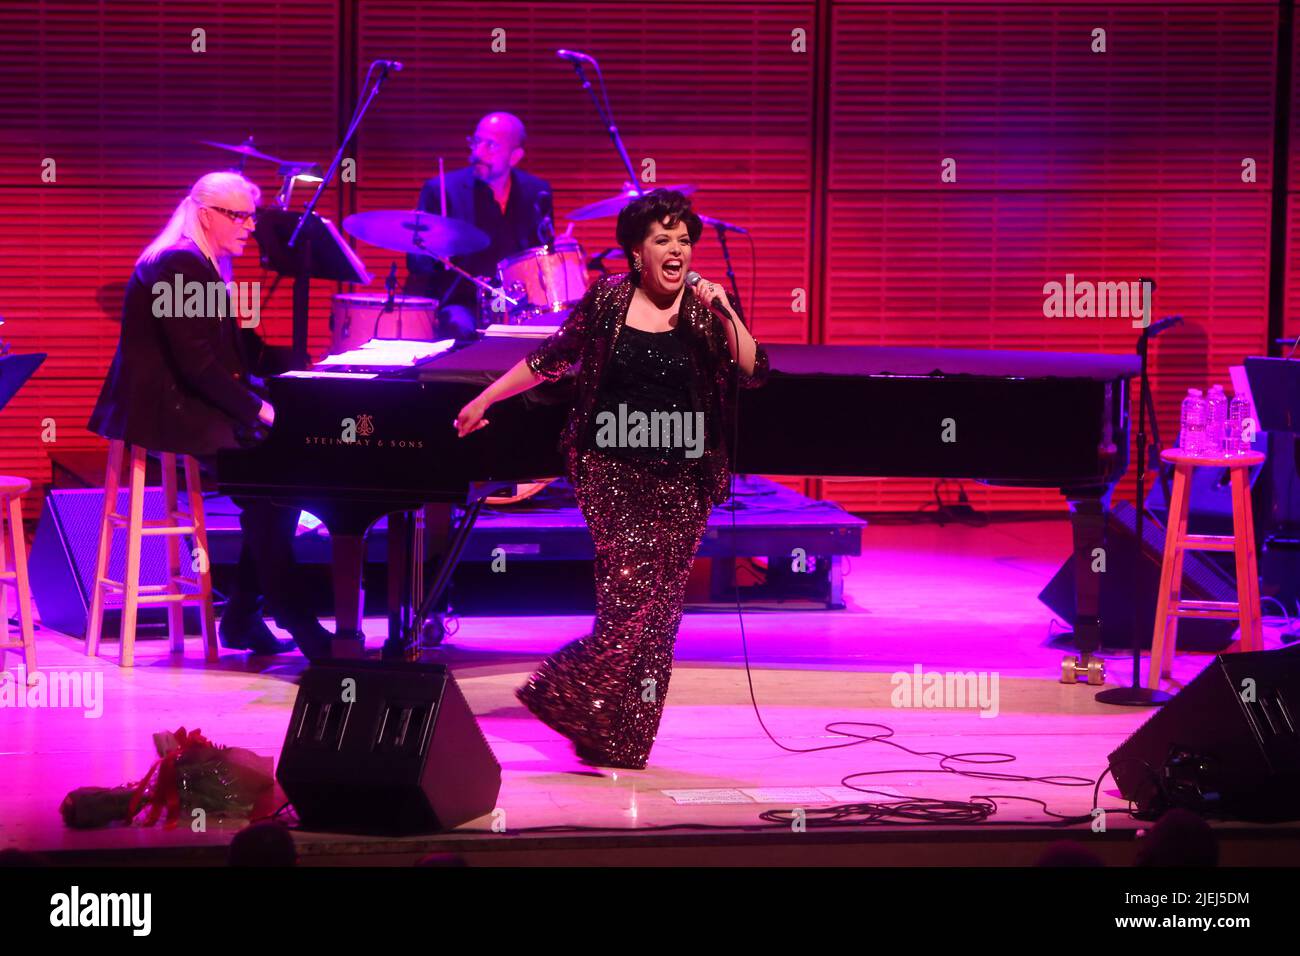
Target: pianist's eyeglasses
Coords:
[(235, 216), (490, 145)]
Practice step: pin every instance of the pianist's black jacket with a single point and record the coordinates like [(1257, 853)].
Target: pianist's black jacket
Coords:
[(178, 384), (587, 338)]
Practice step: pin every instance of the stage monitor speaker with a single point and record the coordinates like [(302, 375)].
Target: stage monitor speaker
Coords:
[(1122, 584), (383, 747), (62, 561), (1228, 743)]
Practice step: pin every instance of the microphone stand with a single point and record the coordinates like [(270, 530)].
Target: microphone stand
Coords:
[(302, 280), (731, 271), (1137, 695), (606, 115), (390, 285)]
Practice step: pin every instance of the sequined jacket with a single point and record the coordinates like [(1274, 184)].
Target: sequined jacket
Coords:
[(587, 339)]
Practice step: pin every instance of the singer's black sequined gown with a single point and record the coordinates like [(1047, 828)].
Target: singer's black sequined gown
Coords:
[(646, 510)]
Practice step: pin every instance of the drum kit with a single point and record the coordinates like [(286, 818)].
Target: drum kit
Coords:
[(537, 286)]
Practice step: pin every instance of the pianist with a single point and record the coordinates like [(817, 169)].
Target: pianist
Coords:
[(642, 341), (513, 207), (179, 382)]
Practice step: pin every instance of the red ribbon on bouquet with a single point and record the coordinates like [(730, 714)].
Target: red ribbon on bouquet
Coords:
[(166, 792)]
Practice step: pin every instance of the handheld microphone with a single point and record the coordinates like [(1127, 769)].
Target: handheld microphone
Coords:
[(693, 279)]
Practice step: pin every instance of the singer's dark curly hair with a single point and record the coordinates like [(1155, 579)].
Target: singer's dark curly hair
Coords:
[(664, 206)]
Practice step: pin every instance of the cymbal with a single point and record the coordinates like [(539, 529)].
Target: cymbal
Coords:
[(415, 231), (244, 149), (614, 204)]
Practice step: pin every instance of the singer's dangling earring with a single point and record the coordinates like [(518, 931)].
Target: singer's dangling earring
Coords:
[(636, 262)]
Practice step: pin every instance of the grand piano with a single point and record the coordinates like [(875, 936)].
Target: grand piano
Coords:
[(354, 449)]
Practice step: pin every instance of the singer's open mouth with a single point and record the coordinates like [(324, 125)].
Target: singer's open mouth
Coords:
[(672, 268)]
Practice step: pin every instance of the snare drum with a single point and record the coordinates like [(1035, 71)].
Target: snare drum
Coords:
[(358, 317), (545, 282)]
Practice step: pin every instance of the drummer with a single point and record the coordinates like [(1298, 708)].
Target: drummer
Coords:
[(513, 207)]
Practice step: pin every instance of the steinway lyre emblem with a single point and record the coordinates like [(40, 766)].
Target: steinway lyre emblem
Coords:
[(365, 425)]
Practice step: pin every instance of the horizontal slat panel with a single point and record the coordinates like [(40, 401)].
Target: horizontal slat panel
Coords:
[(1126, 163), (1016, 96)]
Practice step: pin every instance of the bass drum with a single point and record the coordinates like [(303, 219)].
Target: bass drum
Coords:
[(547, 282), (358, 317)]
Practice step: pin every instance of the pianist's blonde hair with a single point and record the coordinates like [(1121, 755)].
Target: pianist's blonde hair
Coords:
[(212, 189)]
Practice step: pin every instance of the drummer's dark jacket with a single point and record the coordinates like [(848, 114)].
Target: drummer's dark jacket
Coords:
[(178, 383), (530, 202)]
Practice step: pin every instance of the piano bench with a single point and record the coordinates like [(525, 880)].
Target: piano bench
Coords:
[(179, 589), (1170, 607), (11, 532)]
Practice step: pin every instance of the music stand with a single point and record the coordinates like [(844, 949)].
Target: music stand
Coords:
[(15, 370), (1275, 388), (319, 253)]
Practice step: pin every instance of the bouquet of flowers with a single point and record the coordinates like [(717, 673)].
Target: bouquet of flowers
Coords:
[(191, 773)]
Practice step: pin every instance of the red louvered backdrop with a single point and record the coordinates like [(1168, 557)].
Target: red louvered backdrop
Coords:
[(1105, 165)]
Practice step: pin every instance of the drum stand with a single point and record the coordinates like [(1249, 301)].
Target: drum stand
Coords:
[(488, 287)]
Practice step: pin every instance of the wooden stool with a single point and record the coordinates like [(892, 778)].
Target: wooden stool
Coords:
[(179, 589), (11, 501), (1169, 604)]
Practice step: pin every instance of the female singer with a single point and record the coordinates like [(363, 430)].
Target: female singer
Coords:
[(641, 341)]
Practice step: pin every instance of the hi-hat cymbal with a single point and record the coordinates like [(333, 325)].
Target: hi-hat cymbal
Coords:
[(244, 149), (415, 231), (614, 204)]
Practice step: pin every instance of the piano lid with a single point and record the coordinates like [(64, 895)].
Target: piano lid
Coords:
[(857, 360), (490, 357)]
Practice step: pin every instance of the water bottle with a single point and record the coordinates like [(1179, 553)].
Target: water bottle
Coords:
[(1191, 439), (1238, 412), (1215, 420)]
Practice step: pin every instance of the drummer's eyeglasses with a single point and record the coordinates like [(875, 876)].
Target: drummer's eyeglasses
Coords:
[(236, 216), (492, 146)]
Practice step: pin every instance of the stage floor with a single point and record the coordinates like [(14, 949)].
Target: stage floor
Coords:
[(944, 599)]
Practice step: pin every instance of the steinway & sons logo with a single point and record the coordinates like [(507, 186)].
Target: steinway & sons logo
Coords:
[(360, 432)]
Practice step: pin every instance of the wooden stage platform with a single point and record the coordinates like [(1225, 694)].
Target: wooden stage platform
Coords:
[(943, 599)]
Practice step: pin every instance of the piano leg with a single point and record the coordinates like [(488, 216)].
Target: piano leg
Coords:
[(348, 554), (401, 557), (1088, 521)]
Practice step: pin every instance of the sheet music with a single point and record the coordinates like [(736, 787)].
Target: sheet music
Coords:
[(313, 373), (387, 354), (499, 330)]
